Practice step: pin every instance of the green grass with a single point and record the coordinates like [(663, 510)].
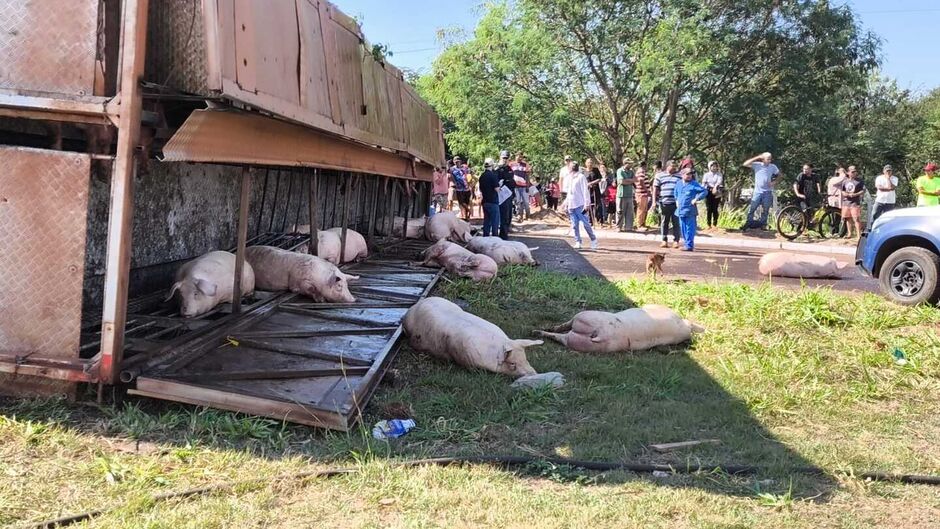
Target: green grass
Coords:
[(784, 379)]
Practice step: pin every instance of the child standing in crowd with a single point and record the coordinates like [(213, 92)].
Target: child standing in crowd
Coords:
[(688, 193), (554, 194)]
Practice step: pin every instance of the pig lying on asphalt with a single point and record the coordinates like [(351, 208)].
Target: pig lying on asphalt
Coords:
[(311, 276), (503, 252), (329, 242), (635, 329), (442, 329), (446, 225), (459, 261), (207, 281), (785, 264)]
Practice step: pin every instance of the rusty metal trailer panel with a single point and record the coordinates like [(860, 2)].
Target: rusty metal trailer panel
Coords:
[(292, 85), (300, 60), (43, 206)]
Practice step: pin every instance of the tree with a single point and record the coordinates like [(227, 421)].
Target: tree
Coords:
[(611, 77)]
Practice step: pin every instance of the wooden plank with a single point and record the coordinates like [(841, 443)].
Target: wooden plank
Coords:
[(242, 228), (334, 306), (227, 48), (212, 27), (347, 183), (313, 243), (121, 218), (246, 60), (228, 400), (313, 73), (330, 57)]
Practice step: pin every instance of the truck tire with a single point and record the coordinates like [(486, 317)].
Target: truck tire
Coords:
[(909, 276)]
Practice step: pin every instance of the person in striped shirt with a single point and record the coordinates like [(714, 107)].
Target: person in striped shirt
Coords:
[(664, 196)]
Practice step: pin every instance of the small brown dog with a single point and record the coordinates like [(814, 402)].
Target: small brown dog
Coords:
[(654, 264)]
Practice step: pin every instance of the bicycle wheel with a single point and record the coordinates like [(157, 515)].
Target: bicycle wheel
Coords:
[(791, 222), (831, 225)]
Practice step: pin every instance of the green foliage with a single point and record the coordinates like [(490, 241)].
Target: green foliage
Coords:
[(593, 78)]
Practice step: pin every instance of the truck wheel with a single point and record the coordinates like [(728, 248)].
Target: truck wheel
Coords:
[(909, 276)]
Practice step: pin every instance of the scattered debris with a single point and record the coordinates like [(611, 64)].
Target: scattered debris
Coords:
[(660, 474), (392, 429), (552, 379), (899, 357), (665, 447)]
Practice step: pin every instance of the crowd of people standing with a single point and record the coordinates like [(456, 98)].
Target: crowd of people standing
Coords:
[(593, 196)]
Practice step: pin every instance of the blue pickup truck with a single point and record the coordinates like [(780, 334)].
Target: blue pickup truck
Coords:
[(902, 250)]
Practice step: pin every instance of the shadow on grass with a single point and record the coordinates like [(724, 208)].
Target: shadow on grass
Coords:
[(612, 408)]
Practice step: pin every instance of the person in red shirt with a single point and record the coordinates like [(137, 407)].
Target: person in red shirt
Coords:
[(554, 194), (441, 185), (643, 197)]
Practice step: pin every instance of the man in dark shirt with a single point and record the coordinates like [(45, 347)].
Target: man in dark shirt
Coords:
[(505, 208), (489, 189), (807, 187)]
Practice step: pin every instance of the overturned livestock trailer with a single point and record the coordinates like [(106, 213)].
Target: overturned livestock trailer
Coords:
[(138, 135)]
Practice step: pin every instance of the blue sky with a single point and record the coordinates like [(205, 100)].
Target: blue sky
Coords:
[(908, 29)]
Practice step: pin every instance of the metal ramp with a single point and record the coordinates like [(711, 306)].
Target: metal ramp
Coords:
[(289, 358)]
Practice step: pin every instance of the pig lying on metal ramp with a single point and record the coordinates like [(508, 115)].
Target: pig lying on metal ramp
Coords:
[(442, 329), (503, 252), (446, 225), (636, 329), (798, 265), (208, 281), (278, 269), (329, 242), (459, 261)]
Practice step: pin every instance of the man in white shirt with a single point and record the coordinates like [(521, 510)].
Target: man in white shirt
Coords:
[(579, 200), (886, 197), (564, 177)]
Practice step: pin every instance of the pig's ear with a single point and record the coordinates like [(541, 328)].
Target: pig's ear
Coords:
[(176, 286), (206, 287), (349, 277), (523, 343)]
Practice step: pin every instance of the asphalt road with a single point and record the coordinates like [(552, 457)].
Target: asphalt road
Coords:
[(619, 259)]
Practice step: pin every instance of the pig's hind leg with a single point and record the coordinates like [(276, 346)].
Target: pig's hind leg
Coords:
[(561, 338), (564, 327)]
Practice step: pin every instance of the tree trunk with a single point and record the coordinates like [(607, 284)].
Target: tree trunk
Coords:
[(673, 103)]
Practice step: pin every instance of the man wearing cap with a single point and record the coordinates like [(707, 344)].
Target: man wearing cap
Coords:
[(505, 208), (625, 181), (564, 178), (885, 196), (765, 174), (489, 190), (928, 187), (520, 173)]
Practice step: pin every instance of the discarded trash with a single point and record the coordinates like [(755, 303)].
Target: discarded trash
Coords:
[(665, 447), (899, 357), (553, 379), (392, 429), (660, 474)]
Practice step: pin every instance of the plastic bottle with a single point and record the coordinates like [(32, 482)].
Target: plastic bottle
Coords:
[(392, 429)]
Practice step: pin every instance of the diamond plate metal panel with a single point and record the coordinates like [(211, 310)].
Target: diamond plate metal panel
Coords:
[(43, 211), (48, 45), (176, 46)]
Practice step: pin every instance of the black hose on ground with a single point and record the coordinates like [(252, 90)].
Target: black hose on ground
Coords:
[(503, 461)]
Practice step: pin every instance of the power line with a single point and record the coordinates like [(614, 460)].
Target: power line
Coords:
[(413, 51)]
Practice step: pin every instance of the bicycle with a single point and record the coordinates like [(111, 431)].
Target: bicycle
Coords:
[(793, 220)]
